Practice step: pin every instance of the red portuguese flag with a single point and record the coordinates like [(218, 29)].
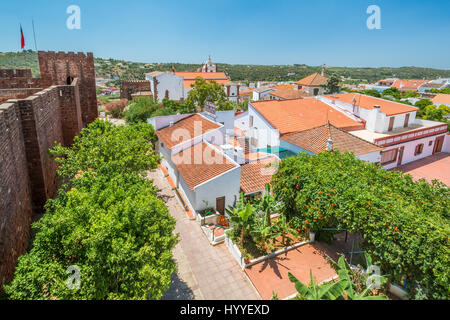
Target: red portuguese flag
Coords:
[(22, 39)]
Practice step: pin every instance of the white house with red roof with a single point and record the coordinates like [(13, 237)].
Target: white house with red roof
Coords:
[(393, 126), (204, 161), (176, 85)]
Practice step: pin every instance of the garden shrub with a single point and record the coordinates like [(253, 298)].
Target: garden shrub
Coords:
[(405, 224), (107, 220)]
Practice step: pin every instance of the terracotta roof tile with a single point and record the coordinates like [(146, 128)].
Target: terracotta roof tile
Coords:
[(283, 86), (289, 93), (201, 163), (190, 123), (255, 175), (408, 85), (442, 99), (390, 108), (316, 79), (301, 114), (316, 140)]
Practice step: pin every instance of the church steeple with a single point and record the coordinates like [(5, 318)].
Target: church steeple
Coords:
[(209, 66)]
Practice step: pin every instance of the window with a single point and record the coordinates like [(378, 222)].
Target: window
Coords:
[(391, 124), (430, 143), (167, 94), (251, 121), (389, 156), (419, 149)]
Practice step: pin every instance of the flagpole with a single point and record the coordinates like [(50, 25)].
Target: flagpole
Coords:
[(34, 35)]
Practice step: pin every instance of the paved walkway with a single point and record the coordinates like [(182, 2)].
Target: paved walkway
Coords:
[(204, 271), (433, 167)]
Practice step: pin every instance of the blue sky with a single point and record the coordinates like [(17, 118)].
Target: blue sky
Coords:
[(314, 32)]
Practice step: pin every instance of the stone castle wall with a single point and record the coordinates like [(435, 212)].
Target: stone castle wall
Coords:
[(30, 124)]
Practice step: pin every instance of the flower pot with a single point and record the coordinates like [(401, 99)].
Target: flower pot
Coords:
[(312, 236)]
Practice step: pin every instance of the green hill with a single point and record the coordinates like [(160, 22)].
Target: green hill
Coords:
[(110, 68)]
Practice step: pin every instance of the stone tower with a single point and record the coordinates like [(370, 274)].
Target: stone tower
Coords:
[(62, 68)]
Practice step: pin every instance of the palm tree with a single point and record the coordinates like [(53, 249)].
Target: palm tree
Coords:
[(267, 204), (262, 231), (242, 219), (342, 289), (282, 226), (330, 291)]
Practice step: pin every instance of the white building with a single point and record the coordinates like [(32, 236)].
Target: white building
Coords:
[(176, 85), (438, 84), (204, 161), (288, 127), (313, 84), (261, 93), (165, 85), (441, 99), (393, 126), (209, 66)]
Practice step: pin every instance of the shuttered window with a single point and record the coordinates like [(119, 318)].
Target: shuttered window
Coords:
[(389, 156)]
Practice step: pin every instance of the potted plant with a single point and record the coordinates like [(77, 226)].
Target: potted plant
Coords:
[(246, 257)]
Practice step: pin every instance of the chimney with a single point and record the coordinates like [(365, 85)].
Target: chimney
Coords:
[(171, 123)]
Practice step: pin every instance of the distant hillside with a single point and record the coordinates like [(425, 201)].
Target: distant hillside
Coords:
[(110, 68)]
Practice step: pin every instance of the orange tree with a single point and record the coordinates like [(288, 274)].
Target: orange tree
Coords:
[(405, 224)]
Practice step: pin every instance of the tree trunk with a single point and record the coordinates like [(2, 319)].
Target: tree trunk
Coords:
[(269, 221), (242, 236)]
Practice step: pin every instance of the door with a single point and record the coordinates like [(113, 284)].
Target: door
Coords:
[(400, 156), (220, 205), (438, 143)]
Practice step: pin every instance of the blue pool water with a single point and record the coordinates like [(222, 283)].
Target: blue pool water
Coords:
[(280, 152)]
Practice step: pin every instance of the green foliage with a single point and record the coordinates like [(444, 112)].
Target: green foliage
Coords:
[(267, 204), (392, 92), (405, 224), (208, 91), (107, 220), (373, 93), (242, 219), (140, 109), (444, 91), (107, 149), (332, 84), (350, 286)]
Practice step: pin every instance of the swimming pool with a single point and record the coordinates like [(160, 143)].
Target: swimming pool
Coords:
[(282, 153)]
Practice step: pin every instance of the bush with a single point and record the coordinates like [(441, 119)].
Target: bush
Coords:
[(106, 220), (405, 224), (116, 107), (140, 109)]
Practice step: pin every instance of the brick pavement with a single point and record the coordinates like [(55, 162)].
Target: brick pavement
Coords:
[(209, 272)]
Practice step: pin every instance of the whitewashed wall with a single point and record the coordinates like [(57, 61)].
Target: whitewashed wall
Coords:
[(262, 130), (170, 82), (227, 185), (446, 146), (410, 148)]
